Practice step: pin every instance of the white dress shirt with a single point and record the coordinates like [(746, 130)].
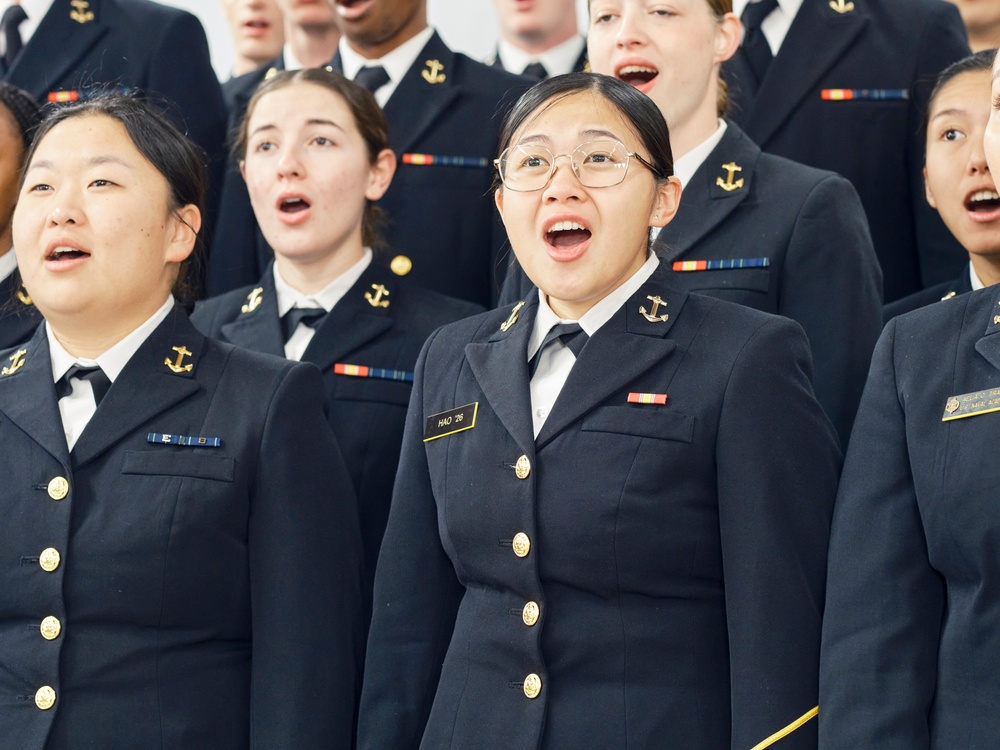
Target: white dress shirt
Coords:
[(974, 279), (775, 27), (557, 360), (396, 63), (326, 298), (36, 10), (557, 60), (78, 407)]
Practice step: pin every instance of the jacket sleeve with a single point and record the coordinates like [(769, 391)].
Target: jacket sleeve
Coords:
[(884, 600), (305, 557), (778, 464), (832, 286), (416, 598)]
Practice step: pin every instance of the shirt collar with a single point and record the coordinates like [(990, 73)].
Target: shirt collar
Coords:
[(685, 166), (288, 58), (396, 62), (327, 297), (113, 361), (8, 262), (788, 7), (557, 60), (974, 279), (595, 317)]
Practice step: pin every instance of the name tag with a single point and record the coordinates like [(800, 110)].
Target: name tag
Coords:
[(459, 419), (164, 438), (971, 404)]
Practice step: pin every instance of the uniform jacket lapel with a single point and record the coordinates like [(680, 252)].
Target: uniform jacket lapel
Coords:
[(28, 396), (705, 203), (623, 349), (145, 388), (417, 103), (354, 320), (500, 365), (259, 329), (37, 65), (989, 344), (800, 63)]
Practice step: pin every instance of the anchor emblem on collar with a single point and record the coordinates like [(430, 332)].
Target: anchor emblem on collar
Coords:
[(729, 186), (651, 316), (176, 366)]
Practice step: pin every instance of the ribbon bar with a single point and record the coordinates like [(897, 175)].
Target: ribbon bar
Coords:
[(363, 371), (681, 266), (160, 438), (432, 160)]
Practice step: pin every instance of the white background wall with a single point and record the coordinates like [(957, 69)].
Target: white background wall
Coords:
[(467, 26)]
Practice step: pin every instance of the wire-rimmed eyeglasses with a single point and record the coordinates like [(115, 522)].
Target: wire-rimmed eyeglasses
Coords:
[(596, 164)]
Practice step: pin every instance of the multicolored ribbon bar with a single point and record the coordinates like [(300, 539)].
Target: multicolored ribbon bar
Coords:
[(647, 398), (160, 438), (847, 95), (363, 371), (62, 97), (681, 266), (431, 160)]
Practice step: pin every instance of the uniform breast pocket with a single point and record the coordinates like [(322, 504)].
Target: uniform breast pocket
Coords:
[(749, 279), (179, 464), (371, 389), (644, 422)]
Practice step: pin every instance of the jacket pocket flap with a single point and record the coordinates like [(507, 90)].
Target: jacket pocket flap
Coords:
[(641, 421), (178, 463)]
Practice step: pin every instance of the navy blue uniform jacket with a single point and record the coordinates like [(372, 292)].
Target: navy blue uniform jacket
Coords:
[(208, 597), (366, 414), (936, 293), (911, 639), (878, 144), (822, 270), (18, 321), (442, 218), (676, 553)]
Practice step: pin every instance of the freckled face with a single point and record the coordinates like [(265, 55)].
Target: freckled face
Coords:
[(579, 244), (93, 231)]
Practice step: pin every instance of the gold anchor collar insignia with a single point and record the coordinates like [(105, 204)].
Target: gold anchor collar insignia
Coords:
[(16, 362), (505, 326), (177, 365), (378, 299), (253, 300), (841, 6), (651, 316), (434, 72), (728, 185), (81, 12)]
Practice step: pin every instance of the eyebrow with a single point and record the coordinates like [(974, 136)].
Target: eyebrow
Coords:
[(951, 112), (589, 134), (93, 161), (310, 121)]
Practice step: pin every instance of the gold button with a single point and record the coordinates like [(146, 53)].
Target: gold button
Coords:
[(522, 545), (58, 488), (401, 265), (45, 697), (50, 628), (530, 614), (49, 559), (532, 685), (523, 467)]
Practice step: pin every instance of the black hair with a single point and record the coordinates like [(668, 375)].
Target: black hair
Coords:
[(636, 108), (982, 60), (23, 108), (367, 114), (177, 159)]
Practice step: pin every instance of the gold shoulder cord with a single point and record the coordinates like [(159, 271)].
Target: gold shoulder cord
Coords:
[(782, 733)]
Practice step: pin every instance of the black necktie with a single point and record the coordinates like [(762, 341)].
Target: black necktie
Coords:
[(99, 382), (535, 71), (755, 45), (372, 78), (570, 334), (13, 17), (311, 316)]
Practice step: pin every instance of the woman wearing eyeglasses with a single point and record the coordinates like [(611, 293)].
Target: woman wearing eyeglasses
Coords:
[(610, 520), (751, 228)]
